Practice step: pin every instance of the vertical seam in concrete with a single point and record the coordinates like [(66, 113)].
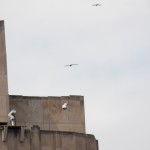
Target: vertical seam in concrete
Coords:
[(49, 114), (31, 112), (42, 113), (68, 116)]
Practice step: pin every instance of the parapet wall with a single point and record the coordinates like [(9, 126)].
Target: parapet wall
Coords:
[(36, 139), (47, 112)]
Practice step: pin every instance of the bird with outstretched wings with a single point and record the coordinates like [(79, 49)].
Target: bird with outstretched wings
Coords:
[(70, 65), (96, 4)]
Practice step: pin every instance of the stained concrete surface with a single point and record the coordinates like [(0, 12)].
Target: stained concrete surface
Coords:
[(4, 101), (37, 139), (47, 112)]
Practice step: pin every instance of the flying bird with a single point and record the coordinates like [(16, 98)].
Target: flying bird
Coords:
[(70, 65), (96, 4)]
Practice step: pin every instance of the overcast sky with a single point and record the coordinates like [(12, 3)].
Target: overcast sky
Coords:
[(111, 44)]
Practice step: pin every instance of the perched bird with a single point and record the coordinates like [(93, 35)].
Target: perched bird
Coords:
[(11, 114), (70, 65), (65, 105), (96, 4)]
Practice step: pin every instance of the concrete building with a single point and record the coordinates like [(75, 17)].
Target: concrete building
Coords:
[(40, 123)]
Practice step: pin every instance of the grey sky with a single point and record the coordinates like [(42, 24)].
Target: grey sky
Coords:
[(111, 44)]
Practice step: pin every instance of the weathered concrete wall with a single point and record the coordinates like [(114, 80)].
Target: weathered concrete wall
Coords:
[(37, 139), (4, 101), (47, 112)]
